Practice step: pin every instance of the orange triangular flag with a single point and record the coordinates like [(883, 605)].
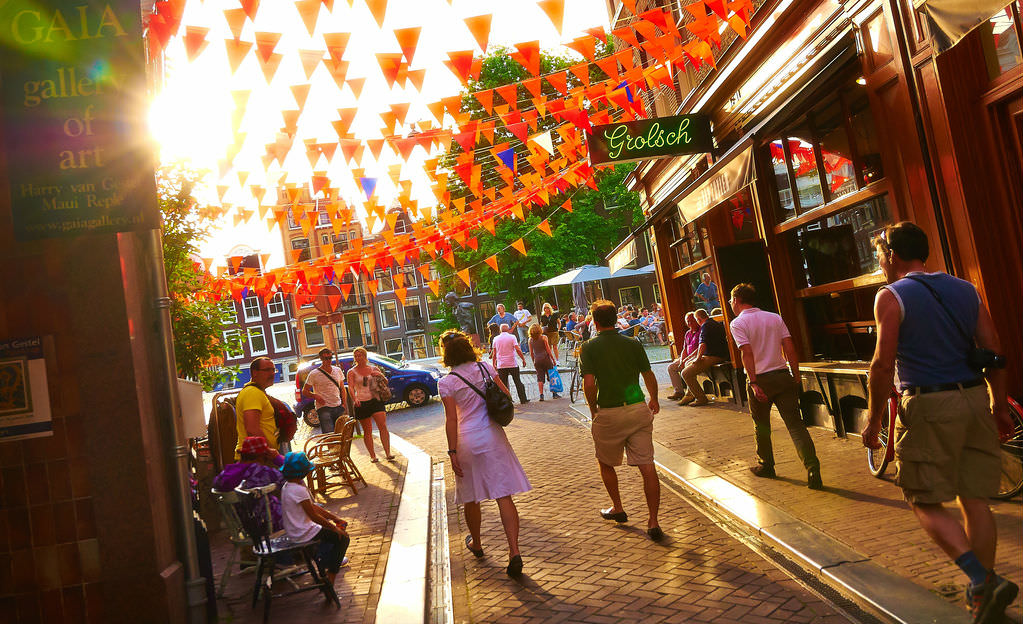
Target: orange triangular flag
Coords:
[(479, 26), (250, 7), (461, 63), (236, 51), (555, 10), (492, 261), (519, 246), (528, 56), (408, 38), (265, 44), (270, 67), (545, 227), (310, 60), (567, 205), (558, 80), (464, 276), (336, 44), (309, 10), (401, 293), (378, 8), (435, 287), (235, 21), (195, 41), (584, 45), (355, 84)]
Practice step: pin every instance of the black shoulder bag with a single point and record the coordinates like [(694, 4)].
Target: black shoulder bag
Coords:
[(977, 358), (499, 405)]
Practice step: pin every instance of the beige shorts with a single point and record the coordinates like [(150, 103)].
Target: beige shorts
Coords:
[(946, 446), (628, 429)]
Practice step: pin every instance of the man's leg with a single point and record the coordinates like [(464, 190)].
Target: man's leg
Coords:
[(610, 479), (786, 397), (981, 531), (943, 528), (503, 374), (690, 372), (674, 373), (326, 416), (652, 491), (521, 389), (761, 414)]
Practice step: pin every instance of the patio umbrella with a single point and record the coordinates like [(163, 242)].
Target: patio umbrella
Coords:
[(585, 273), (579, 298)]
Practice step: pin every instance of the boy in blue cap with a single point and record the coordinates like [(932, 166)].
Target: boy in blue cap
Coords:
[(305, 521)]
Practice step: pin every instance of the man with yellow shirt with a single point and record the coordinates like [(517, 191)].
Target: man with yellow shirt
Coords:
[(255, 413)]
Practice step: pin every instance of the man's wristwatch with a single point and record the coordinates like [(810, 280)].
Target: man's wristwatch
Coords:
[(452, 451)]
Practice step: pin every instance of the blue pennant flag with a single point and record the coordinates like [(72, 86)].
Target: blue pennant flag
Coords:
[(508, 157), (368, 186), (628, 92)]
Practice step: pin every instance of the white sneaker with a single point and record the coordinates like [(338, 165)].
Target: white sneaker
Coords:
[(345, 562)]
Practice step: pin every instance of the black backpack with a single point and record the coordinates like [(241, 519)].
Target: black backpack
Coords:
[(499, 405)]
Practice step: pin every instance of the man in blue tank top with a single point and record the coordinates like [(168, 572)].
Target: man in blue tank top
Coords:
[(946, 443)]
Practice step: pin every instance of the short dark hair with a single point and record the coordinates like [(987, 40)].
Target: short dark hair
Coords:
[(326, 351), (455, 349), (745, 293), (604, 313), (906, 239), (254, 364)]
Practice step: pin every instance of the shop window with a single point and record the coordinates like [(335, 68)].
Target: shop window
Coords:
[(413, 315), (841, 325), (839, 174), (417, 347), (689, 242), (393, 349), (837, 247), (864, 134), (804, 167), (388, 314), (313, 333), (705, 295), (228, 313), (630, 295), (786, 205), (282, 341), (1000, 40)]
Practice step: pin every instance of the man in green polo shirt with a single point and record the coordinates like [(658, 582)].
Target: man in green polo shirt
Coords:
[(623, 422)]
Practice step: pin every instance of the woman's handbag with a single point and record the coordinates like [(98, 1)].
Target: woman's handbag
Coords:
[(499, 405), (380, 388), (554, 377)]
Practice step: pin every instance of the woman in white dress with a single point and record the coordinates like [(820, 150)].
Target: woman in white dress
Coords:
[(484, 463)]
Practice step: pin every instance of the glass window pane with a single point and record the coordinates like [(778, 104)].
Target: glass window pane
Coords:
[(313, 333), (880, 42), (257, 343), (804, 167), (838, 165), (868, 151), (413, 315), (388, 314), (1001, 43), (417, 346), (838, 247), (392, 348), (282, 341), (786, 207), (433, 307)]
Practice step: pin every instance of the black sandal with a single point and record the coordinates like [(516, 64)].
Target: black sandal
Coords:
[(468, 544), (515, 566)]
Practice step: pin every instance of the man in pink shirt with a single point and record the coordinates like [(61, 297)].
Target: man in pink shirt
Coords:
[(772, 368), (502, 356)]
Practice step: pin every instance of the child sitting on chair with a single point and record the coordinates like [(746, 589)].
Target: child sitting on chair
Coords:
[(305, 521)]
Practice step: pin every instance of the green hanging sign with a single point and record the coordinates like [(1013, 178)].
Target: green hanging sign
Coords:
[(649, 138), (74, 99)]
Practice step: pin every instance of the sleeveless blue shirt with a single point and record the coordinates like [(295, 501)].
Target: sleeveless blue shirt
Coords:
[(932, 350)]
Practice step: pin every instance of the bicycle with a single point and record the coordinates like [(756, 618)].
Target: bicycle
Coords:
[(576, 384), (1012, 450)]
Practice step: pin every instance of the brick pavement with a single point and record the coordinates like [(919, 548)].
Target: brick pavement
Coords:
[(370, 515), (864, 512), (580, 568)]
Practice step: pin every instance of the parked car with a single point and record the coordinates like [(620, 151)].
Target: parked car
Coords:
[(412, 383)]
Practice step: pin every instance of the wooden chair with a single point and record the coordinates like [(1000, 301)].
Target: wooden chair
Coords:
[(235, 534), (333, 452)]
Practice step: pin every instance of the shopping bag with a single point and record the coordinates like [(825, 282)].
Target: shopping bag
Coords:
[(555, 380)]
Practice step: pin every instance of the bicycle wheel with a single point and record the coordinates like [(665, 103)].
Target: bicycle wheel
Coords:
[(575, 385), (1012, 456), (877, 459)]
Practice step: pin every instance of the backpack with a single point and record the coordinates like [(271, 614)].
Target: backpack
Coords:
[(499, 405), (284, 417)]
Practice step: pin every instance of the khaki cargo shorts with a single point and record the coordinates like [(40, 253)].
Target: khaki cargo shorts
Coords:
[(628, 429), (946, 446)]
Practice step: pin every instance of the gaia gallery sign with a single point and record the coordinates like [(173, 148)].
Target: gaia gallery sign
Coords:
[(73, 81), (649, 138)]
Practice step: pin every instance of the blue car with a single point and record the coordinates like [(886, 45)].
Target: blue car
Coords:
[(414, 384)]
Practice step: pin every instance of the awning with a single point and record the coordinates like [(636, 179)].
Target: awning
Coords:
[(951, 20), (643, 270), (585, 273), (718, 184), (622, 255)]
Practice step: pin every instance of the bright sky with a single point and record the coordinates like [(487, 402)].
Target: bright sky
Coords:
[(192, 116)]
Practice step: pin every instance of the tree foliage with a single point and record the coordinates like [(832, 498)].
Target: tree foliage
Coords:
[(600, 218), (198, 322)]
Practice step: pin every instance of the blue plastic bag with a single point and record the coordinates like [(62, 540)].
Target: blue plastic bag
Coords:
[(555, 380)]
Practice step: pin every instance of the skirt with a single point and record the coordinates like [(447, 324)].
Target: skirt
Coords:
[(489, 465), (367, 408)]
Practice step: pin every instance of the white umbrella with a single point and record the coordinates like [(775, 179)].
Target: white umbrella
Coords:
[(585, 273), (579, 298)]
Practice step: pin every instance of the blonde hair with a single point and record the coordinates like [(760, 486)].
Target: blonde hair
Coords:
[(535, 331), (548, 308), (357, 350)]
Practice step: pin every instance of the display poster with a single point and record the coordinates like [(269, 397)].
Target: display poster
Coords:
[(649, 138), (73, 82), (24, 393)]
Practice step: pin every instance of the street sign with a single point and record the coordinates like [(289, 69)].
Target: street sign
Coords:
[(649, 138)]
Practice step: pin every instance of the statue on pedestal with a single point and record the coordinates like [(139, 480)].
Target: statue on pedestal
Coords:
[(463, 316)]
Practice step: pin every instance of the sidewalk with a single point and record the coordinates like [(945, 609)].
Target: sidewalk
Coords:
[(371, 516), (863, 512), (581, 568)]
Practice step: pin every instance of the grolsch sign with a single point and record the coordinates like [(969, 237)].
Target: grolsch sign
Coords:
[(649, 138)]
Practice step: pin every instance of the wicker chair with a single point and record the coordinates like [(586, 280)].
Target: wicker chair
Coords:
[(333, 452)]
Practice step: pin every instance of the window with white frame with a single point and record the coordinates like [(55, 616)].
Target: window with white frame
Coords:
[(313, 333), (433, 308), (257, 341), (233, 336), (281, 338), (384, 281), (631, 295), (417, 346), (326, 240), (251, 306), (276, 305), (323, 218), (388, 314), (340, 243), (301, 244), (413, 315), (228, 313), (401, 225), (292, 224), (410, 275), (392, 348)]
